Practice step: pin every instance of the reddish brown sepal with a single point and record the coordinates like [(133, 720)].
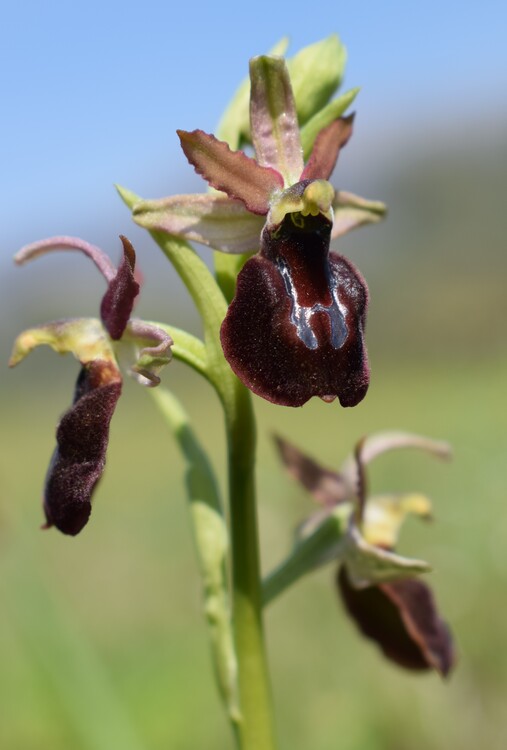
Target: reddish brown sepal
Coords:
[(327, 147), (402, 618), (327, 487), (79, 458), (295, 327), (118, 301)]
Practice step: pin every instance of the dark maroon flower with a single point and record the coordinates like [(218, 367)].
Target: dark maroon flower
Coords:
[(83, 432), (402, 618), (122, 290), (398, 613), (295, 328), (82, 437)]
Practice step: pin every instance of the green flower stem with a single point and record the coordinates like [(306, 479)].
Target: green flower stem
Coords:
[(308, 554), (257, 726)]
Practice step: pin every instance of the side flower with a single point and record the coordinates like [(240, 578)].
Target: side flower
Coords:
[(83, 432), (378, 588), (295, 328)]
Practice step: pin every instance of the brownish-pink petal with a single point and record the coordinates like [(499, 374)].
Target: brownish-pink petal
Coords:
[(327, 147), (82, 437), (233, 172), (118, 301), (403, 619), (41, 247), (326, 486)]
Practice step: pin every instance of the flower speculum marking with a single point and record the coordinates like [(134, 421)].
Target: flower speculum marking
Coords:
[(301, 316), (299, 248)]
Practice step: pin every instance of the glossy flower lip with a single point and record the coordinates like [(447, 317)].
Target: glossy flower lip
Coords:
[(295, 328), (83, 432), (400, 616)]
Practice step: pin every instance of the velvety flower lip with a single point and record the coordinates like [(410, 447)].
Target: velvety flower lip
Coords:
[(82, 438), (402, 618), (295, 328), (399, 615), (83, 432)]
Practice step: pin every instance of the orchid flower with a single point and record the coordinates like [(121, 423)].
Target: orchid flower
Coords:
[(295, 328), (83, 432), (379, 589)]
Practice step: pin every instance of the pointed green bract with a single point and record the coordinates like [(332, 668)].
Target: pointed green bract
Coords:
[(275, 130), (316, 73)]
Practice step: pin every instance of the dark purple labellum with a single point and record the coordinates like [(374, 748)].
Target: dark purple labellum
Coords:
[(403, 619), (79, 458), (118, 301), (295, 327)]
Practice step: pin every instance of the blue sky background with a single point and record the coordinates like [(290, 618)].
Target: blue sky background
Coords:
[(92, 94)]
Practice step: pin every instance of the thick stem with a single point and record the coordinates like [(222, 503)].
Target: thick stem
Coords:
[(257, 725)]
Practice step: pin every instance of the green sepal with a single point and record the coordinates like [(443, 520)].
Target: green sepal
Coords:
[(368, 565), (85, 338)]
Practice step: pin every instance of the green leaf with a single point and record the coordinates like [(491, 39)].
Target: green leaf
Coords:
[(323, 118), (316, 73)]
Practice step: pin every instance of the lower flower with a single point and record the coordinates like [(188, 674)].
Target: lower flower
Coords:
[(82, 437)]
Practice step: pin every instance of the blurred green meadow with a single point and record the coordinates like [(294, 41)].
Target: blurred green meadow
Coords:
[(102, 643)]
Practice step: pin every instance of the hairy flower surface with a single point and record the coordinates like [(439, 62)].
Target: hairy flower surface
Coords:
[(83, 432), (295, 328), (378, 588)]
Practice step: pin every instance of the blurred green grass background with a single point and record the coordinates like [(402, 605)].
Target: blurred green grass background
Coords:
[(102, 643)]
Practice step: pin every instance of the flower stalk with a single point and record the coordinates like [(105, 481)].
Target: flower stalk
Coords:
[(283, 317)]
